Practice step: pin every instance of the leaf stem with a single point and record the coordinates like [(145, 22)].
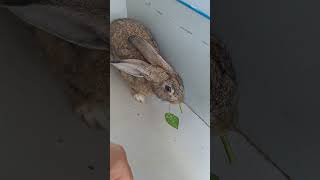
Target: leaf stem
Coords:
[(228, 149), (180, 108), (213, 177)]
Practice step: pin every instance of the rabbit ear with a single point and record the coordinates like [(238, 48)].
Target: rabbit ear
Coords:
[(148, 52), (17, 2), (77, 27), (134, 67)]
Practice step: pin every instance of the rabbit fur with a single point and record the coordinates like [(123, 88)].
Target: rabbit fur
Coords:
[(224, 89), (85, 73), (137, 57), (81, 22)]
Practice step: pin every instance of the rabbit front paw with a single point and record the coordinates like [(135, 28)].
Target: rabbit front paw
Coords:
[(139, 97), (91, 122), (88, 117)]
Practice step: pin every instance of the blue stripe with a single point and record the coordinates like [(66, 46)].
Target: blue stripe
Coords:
[(194, 9)]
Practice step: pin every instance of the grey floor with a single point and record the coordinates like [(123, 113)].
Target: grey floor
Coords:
[(275, 48), (40, 137)]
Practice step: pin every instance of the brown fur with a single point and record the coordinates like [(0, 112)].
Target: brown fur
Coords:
[(85, 72), (120, 31), (224, 89)]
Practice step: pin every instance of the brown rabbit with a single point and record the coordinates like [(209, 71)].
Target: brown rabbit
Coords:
[(140, 63), (84, 71), (74, 35)]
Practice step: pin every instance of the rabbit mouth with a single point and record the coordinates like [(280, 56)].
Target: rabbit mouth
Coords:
[(172, 100), (177, 101), (176, 98)]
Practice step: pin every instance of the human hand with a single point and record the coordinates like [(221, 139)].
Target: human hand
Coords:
[(119, 166)]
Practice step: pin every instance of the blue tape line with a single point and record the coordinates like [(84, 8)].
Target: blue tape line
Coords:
[(194, 9)]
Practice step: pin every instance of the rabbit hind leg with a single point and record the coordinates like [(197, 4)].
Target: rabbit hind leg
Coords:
[(82, 106), (88, 116)]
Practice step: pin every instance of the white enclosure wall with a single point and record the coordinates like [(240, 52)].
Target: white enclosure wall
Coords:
[(156, 150), (118, 9)]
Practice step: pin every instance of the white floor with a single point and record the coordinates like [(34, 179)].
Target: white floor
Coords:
[(156, 150)]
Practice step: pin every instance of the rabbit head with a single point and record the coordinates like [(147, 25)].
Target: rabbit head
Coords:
[(165, 82)]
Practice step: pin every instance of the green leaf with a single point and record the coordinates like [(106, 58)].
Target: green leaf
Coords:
[(180, 108), (228, 149), (172, 120), (213, 177)]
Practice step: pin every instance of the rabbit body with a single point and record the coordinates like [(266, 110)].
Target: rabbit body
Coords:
[(121, 30), (85, 73), (224, 97)]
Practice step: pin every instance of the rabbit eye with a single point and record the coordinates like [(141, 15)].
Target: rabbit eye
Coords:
[(167, 88)]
